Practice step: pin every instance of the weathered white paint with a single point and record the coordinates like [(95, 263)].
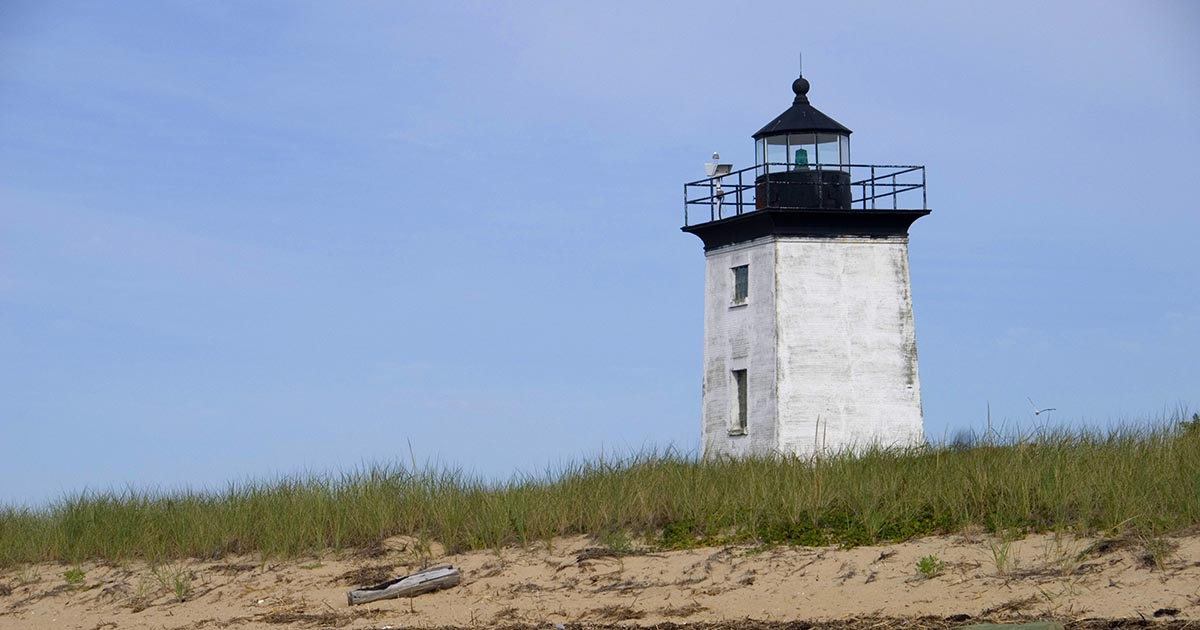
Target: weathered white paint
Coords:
[(740, 337), (828, 342)]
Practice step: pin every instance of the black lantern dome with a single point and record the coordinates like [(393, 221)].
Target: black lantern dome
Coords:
[(802, 117), (806, 154)]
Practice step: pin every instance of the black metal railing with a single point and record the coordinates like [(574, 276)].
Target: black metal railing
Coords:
[(781, 186)]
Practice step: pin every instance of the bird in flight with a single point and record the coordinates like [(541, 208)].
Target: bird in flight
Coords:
[(1036, 411)]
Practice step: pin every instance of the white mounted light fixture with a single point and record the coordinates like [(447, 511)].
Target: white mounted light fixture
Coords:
[(713, 169)]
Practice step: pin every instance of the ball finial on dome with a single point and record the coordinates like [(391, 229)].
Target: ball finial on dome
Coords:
[(800, 86)]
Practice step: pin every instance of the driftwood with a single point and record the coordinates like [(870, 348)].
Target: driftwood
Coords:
[(432, 579)]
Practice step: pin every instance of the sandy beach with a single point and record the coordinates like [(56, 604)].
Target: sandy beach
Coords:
[(574, 581)]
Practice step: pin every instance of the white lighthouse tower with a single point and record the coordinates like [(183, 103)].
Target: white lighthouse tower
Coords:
[(809, 344)]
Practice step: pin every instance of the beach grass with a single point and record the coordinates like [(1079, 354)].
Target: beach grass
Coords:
[(1144, 481)]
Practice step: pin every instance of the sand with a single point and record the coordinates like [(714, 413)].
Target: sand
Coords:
[(574, 581)]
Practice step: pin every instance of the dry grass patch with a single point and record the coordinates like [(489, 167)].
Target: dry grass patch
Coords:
[(687, 610), (234, 568), (615, 612), (367, 576)]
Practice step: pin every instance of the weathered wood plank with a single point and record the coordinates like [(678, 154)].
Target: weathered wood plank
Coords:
[(432, 579)]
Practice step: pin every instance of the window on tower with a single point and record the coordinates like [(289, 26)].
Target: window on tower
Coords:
[(741, 284), (738, 426)]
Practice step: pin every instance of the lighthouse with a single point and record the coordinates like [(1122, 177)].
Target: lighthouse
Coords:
[(809, 340)]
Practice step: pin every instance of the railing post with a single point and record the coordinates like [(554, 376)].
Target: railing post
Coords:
[(739, 193), (820, 182), (924, 199), (712, 208), (894, 195), (863, 183), (864, 194), (872, 186), (767, 185)]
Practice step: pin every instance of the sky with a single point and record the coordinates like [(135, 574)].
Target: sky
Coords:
[(244, 240)]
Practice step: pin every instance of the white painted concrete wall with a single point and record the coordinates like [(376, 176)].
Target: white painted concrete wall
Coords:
[(739, 337), (847, 345), (828, 342)]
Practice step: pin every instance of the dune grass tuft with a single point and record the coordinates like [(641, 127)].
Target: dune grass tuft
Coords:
[(1144, 480)]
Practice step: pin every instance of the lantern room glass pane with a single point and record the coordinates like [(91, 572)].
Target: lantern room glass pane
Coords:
[(828, 152), (802, 150), (777, 152), (844, 150)]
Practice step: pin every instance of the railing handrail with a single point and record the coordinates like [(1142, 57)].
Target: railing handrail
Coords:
[(725, 194), (813, 167)]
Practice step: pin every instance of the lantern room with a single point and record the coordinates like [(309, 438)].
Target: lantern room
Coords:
[(804, 157)]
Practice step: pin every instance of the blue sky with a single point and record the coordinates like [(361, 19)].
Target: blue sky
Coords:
[(247, 239)]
